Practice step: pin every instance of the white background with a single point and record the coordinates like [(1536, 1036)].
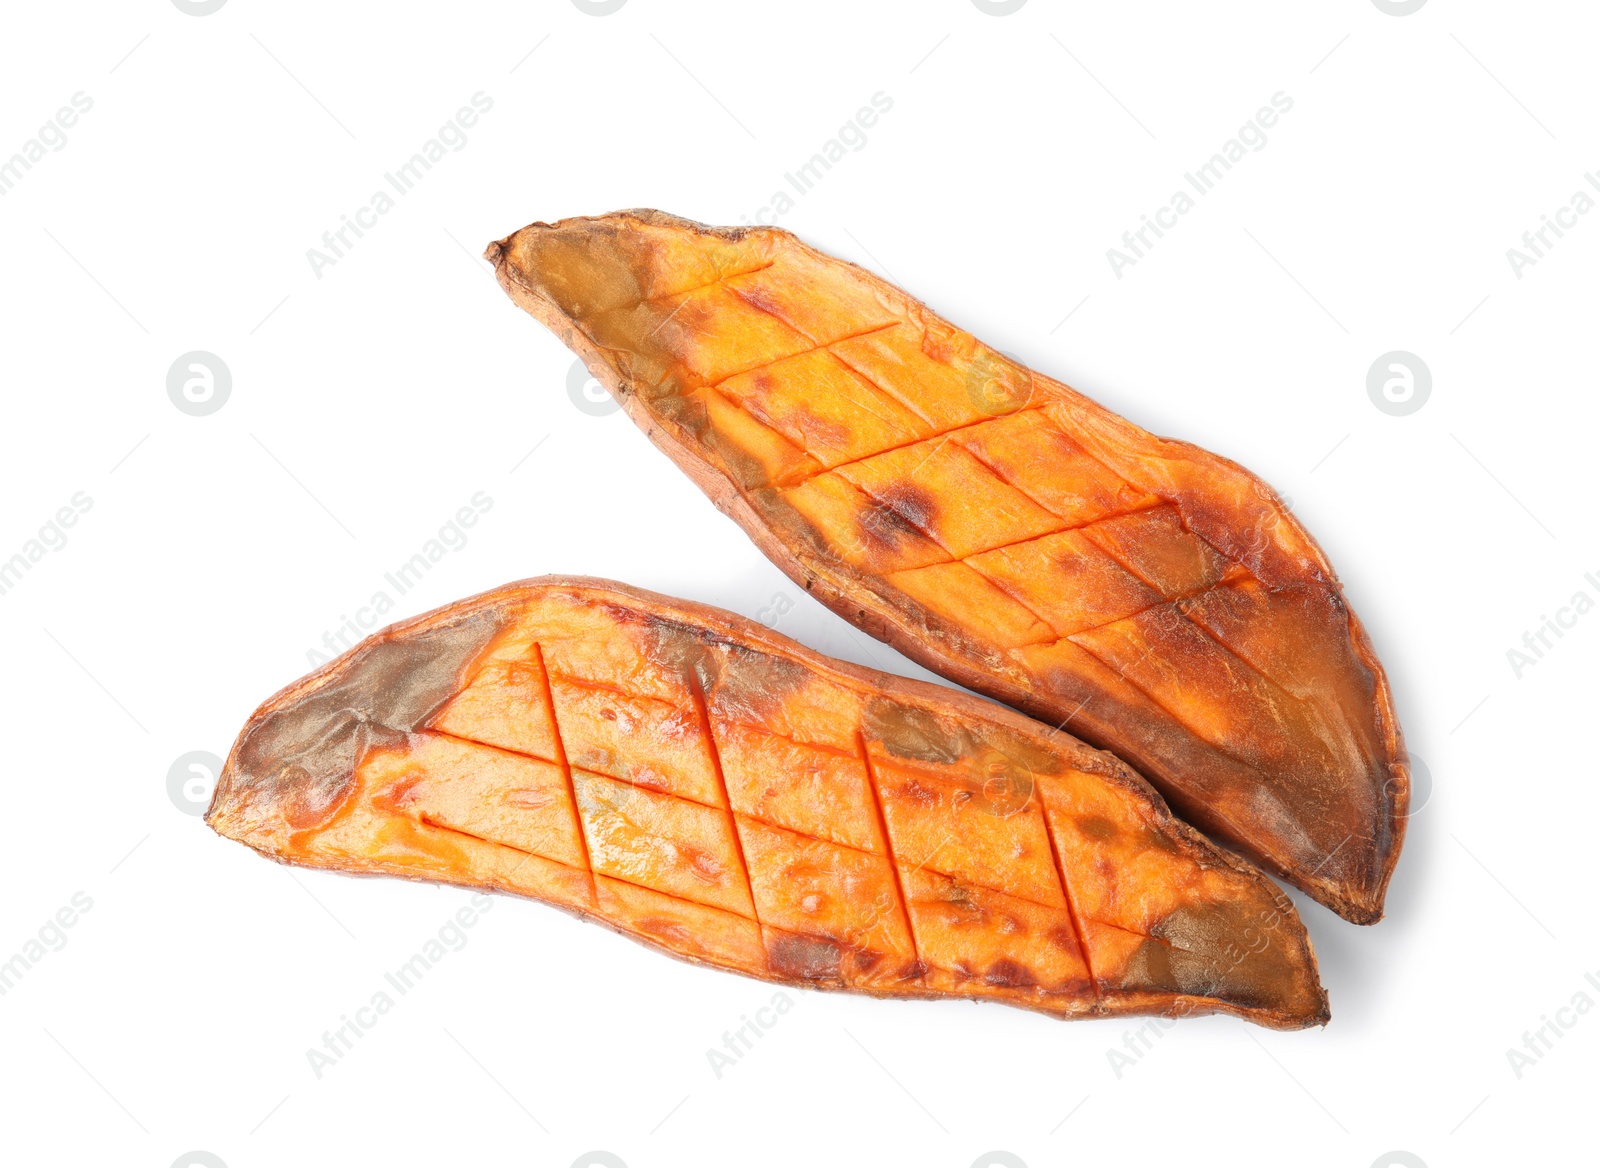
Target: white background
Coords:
[(371, 402)]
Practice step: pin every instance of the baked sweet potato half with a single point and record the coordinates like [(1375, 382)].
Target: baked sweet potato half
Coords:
[(999, 527), (718, 791)]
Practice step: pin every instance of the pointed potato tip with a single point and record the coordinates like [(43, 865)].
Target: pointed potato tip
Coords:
[(294, 763)]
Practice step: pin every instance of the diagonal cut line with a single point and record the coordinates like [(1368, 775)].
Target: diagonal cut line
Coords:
[(788, 828), (540, 895), (940, 436), (888, 848), (704, 718), (549, 698), (799, 353), (1072, 907)]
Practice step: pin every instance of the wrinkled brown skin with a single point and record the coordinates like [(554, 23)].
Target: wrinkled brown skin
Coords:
[(999, 528), (719, 792)]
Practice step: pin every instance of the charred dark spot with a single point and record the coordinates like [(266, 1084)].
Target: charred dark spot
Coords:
[(866, 960), (884, 528), (1065, 939), (912, 505), (1227, 951), (1013, 974), (804, 958), (1096, 827)]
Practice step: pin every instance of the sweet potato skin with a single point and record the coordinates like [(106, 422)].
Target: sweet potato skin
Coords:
[(1320, 800), (627, 757)]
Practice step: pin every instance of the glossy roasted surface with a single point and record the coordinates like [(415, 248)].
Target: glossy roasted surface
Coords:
[(720, 792), (999, 527)]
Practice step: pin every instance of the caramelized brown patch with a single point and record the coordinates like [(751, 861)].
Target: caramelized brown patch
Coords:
[(805, 958), (1015, 975), (886, 526), (1096, 827), (304, 755)]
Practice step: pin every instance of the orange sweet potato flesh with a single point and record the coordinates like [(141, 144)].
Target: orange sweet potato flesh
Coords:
[(999, 527), (720, 792)]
